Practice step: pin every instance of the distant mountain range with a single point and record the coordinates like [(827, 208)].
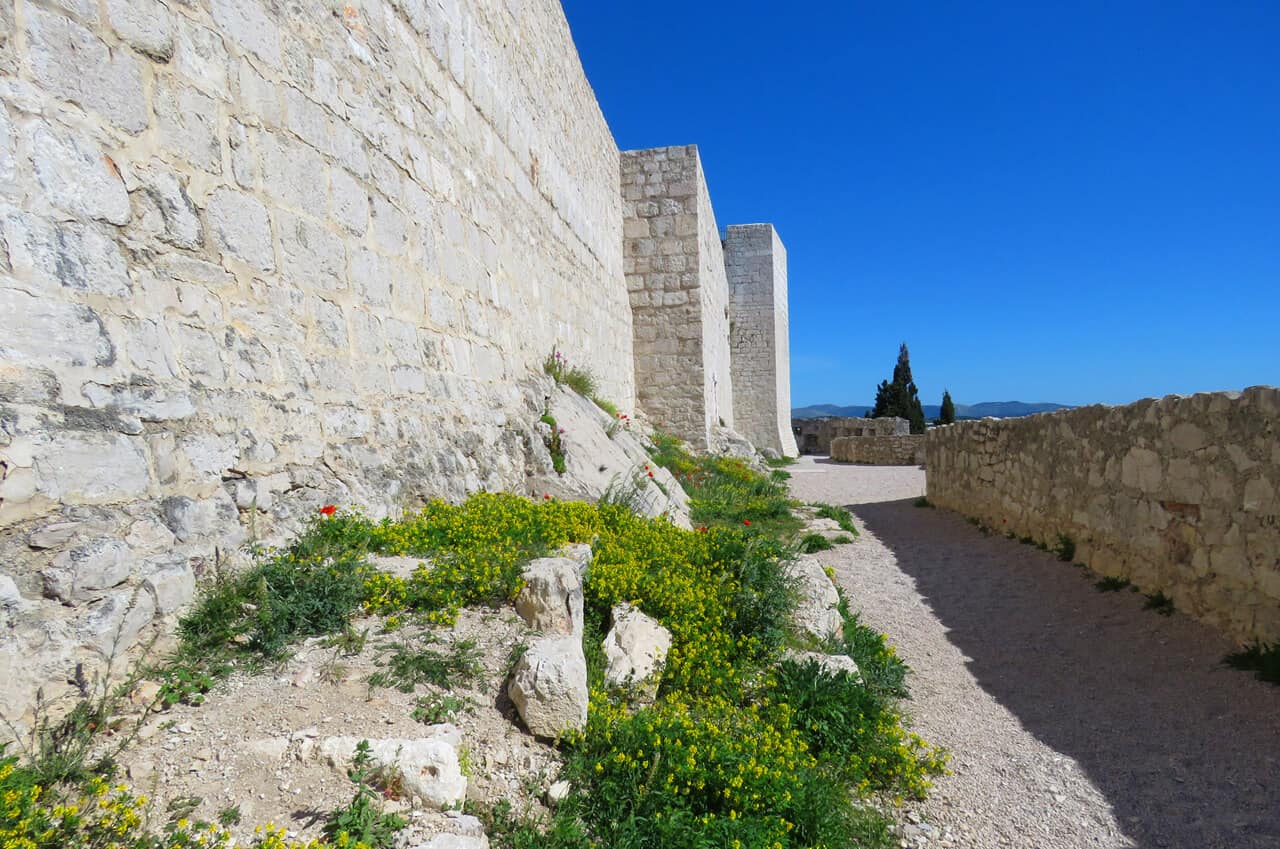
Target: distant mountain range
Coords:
[(998, 409)]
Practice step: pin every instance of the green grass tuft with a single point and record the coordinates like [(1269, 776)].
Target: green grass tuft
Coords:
[(1111, 584), (1259, 658)]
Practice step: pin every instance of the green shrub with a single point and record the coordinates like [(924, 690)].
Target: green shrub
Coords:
[(922, 501), (1260, 658), (854, 731), (1160, 603), (362, 819), (1066, 548), (1111, 584), (813, 543)]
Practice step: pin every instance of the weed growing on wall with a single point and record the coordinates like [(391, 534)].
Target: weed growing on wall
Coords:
[(1065, 549), (1160, 603)]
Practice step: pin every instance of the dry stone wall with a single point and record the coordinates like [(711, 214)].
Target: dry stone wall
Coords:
[(814, 436), (879, 450), (1179, 495), (756, 265), (675, 273), (256, 257)]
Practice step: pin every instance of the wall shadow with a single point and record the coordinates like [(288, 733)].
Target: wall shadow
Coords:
[(1186, 750)]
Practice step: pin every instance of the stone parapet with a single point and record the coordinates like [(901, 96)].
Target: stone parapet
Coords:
[(879, 450), (1178, 495)]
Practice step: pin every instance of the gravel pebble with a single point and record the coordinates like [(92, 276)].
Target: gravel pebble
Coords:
[(1074, 718)]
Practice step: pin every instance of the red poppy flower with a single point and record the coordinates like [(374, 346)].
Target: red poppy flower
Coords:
[(328, 510), (651, 474), (746, 522), (546, 495)]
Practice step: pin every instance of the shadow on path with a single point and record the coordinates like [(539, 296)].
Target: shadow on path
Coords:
[(1186, 751)]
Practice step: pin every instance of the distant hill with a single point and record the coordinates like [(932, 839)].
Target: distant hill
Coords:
[(998, 409)]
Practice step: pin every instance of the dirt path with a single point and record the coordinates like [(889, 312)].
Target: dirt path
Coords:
[(1075, 718)]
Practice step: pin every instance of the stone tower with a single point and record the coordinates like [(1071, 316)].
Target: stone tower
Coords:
[(756, 266), (675, 271)]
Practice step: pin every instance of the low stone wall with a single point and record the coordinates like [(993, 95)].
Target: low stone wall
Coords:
[(1178, 495), (879, 450), (813, 436)]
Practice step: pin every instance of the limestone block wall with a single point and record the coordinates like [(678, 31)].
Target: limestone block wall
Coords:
[(814, 436), (1179, 495), (675, 274), (256, 257), (756, 266), (906, 450)]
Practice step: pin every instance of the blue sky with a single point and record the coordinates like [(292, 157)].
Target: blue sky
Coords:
[(1046, 203)]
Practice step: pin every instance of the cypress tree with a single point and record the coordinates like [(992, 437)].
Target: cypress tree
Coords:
[(900, 397), (947, 415)]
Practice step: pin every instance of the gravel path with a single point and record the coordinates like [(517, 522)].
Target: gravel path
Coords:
[(1075, 718)]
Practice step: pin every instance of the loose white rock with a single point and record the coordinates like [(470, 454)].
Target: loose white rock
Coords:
[(635, 648), (549, 686), (428, 768), (551, 600), (816, 612)]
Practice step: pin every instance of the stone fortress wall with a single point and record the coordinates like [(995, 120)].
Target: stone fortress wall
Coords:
[(814, 436), (675, 274), (1178, 495), (903, 450), (259, 257), (756, 264)]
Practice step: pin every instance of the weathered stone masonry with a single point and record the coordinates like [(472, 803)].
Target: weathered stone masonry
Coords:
[(1179, 495), (258, 257), (756, 264), (675, 274), (904, 450)]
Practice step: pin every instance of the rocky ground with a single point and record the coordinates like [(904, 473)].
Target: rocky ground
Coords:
[(1075, 718), (257, 743)]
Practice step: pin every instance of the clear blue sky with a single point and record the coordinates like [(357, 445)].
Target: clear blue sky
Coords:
[(1047, 204)]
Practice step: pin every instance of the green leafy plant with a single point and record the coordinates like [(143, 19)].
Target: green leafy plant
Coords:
[(1111, 584), (555, 444), (1160, 603), (1066, 548), (579, 379), (229, 816), (842, 539), (184, 683), (812, 543), (839, 515), (1260, 658), (437, 708), (922, 501), (779, 462), (406, 664), (362, 820)]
